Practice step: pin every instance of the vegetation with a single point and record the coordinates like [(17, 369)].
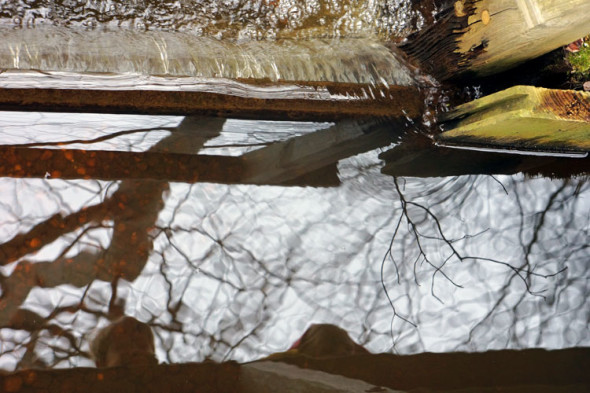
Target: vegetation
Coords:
[(580, 63)]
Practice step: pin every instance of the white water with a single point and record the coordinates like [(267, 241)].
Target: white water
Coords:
[(51, 48)]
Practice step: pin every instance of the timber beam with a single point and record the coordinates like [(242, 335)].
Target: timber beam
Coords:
[(321, 101), (522, 117), (484, 37)]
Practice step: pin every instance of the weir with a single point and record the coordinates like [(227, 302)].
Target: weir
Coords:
[(362, 60), (155, 72)]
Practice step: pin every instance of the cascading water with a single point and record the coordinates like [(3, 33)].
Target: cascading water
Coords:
[(55, 48)]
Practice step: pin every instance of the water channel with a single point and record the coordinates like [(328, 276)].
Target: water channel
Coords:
[(222, 270)]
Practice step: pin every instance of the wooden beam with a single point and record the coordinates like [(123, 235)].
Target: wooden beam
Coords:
[(483, 37), (522, 117), (339, 101), (529, 371), (116, 165), (306, 160), (56, 68)]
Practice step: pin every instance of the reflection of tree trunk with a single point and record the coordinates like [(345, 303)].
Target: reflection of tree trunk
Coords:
[(133, 208)]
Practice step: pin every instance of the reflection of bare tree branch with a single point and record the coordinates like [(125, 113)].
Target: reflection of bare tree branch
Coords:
[(103, 138), (49, 230), (454, 253), (133, 209), (428, 226), (390, 254)]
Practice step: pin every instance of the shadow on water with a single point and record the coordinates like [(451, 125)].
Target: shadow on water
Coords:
[(141, 239)]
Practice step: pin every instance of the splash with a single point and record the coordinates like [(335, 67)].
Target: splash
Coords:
[(347, 60)]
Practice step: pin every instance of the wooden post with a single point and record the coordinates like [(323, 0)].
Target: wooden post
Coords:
[(522, 117), (483, 37)]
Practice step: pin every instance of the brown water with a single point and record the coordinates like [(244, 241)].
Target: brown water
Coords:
[(222, 270)]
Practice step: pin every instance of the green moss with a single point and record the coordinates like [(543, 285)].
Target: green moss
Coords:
[(580, 62)]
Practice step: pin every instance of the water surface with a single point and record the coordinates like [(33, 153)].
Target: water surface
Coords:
[(238, 272), (224, 270)]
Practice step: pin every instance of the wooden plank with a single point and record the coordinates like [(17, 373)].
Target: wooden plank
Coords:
[(115, 165), (483, 37), (47, 47), (321, 101), (57, 68), (522, 117), (21, 162)]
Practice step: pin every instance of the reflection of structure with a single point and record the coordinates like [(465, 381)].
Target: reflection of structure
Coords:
[(125, 342), (303, 160), (322, 340), (416, 156)]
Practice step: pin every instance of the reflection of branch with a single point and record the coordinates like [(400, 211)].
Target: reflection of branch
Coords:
[(103, 138), (133, 209), (455, 253), (48, 231), (417, 235), (390, 254)]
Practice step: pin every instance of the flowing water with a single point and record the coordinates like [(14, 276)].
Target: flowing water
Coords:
[(238, 271)]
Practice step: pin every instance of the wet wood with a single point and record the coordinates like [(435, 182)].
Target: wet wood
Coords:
[(483, 37), (116, 165), (522, 117), (531, 370), (321, 101)]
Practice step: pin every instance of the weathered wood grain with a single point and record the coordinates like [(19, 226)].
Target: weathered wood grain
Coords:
[(522, 117)]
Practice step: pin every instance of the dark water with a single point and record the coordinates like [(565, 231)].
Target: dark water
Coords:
[(238, 271)]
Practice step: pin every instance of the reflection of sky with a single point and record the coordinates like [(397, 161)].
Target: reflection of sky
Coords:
[(247, 268)]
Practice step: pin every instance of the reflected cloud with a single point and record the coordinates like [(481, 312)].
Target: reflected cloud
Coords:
[(237, 271)]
